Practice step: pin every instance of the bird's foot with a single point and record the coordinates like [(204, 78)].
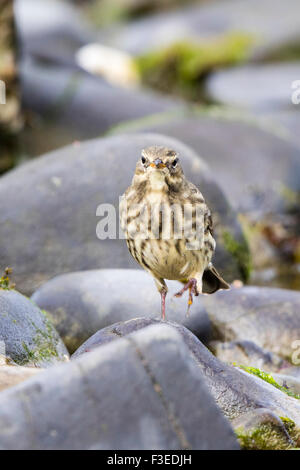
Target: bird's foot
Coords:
[(191, 285)]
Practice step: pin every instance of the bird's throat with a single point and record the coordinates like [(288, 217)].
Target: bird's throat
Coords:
[(157, 181)]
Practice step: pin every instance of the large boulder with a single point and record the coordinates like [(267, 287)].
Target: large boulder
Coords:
[(27, 336), (252, 164), (48, 210), (82, 303), (141, 392), (268, 317), (236, 391)]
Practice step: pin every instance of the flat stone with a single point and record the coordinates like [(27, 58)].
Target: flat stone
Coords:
[(269, 86), (27, 336), (141, 392), (82, 303), (68, 185), (266, 316)]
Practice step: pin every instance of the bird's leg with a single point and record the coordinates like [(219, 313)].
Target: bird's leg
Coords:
[(163, 290), (163, 304), (191, 285)]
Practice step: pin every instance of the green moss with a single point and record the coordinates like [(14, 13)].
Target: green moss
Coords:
[(268, 378), (44, 345), (181, 67), (291, 429), (5, 282), (240, 251), (266, 436)]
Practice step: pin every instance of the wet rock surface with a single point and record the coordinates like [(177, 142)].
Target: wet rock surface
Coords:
[(90, 405), (27, 337), (82, 303), (69, 185)]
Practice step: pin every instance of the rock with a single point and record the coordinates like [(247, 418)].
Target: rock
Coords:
[(286, 122), (85, 105), (27, 336), (141, 392), (262, 430), (250, 162), (269, 22), (50, 30), (69, 185), (82, 303), (247, 353), (272, 90), (266, 316), (118, 330), (235, 390), (12, 375)]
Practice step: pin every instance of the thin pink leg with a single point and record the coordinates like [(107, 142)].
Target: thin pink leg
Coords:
[(163, 304)]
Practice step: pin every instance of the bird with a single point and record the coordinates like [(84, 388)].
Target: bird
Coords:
[(168, 226)]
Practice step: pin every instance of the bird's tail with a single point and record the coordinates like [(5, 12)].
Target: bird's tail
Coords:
[(212, 281)]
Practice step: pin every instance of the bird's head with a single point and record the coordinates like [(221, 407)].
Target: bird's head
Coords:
[(159, 164)]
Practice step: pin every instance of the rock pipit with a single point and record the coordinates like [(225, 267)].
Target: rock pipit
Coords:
[(168, 226)]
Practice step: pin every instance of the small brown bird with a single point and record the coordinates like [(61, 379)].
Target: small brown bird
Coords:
[(168, 226)]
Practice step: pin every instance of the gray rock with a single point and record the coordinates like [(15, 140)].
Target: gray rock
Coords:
[(285, 122), (267, 316), (26, 334), (235, 391), (48, 209), (266, 87), (247, 353), (84, 104), (268, 21), (82, 303), (141, 392), (262, 430), (247, 158), (51, 29)]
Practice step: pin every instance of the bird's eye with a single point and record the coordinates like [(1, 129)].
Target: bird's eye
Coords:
[(143, 160), (174, 163)]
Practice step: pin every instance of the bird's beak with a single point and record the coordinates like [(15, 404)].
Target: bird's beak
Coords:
[(158, 164)]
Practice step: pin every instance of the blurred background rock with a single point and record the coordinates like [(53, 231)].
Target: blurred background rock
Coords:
[(216, 74)]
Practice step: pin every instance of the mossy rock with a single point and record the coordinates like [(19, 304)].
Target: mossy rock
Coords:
[(181, 67), (27, 337), (263, 430)]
